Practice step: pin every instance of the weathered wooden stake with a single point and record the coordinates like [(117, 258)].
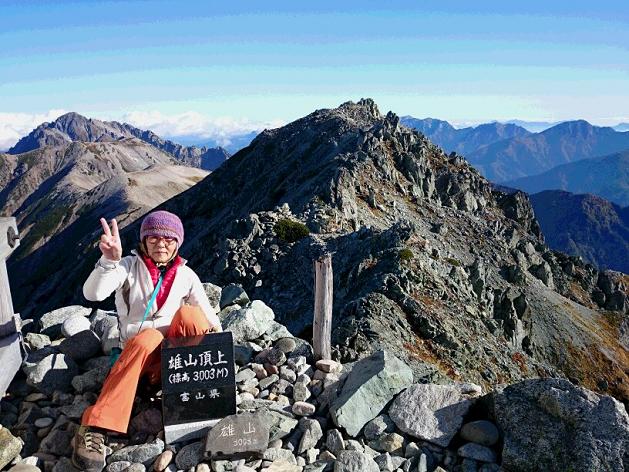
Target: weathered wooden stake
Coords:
[(322, 325), (10, 351)]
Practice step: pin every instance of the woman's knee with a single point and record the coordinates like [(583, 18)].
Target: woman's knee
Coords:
[(146, 340), (189, 320)]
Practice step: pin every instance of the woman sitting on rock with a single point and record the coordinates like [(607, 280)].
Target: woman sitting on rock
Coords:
[(157, 297)]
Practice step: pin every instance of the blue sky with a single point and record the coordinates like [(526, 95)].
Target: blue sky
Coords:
[(187, 67)]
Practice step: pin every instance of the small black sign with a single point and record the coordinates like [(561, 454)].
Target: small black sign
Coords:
[(198, 378)]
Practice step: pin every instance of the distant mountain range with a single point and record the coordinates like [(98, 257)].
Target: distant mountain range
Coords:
[(585, 225), (504, 154), (73, 127), (606, 176), (465, 140)]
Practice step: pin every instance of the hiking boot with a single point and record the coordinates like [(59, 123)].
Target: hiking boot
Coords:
[(89, 449)]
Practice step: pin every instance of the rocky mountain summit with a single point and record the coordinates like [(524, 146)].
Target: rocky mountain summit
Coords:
[(430, 262), (370, 415), (73, 127)]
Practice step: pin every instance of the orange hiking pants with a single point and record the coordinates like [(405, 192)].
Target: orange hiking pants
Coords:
[(141, 355)]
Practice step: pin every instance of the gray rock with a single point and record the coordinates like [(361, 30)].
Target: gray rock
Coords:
[(190, 455), (81, 346), (148, 421), (430, 412), (355, 461), (64, 465), (334, 441), (312, 433), (110, 339), (551, 424), (276, 357), (37, 341), (250, 322), (281, 424), (268, 381), (373, 382), (57, 442), (278, 331), (244, 375), (480, 432), (24, 467), (142, 453), (274, 454), (477, 452), (233, 294), (50, 323), (43, 422), (379, 425), (74, 324), (301, 392), (384, 462), (390, 442), (135, 468), (286, 345), (288, 374), (101, 320), (53, 372), (213, 293), (75, 410), (91, 381), (117, 466), (10, 446)]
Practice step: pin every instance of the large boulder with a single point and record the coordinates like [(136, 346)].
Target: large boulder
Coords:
[(50, 323), (551, 424), (431, 412), (371, 385), (53, 372), (250, 322), (10, 446)]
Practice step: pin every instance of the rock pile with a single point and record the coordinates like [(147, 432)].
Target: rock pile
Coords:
[(363, 416)]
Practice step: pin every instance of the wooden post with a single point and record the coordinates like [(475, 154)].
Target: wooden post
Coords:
[(322, 324), (10, 351)]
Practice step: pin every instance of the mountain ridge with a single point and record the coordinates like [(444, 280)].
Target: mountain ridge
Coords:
[(429, 261)]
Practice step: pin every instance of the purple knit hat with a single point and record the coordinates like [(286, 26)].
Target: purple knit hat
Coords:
[(162, 223)]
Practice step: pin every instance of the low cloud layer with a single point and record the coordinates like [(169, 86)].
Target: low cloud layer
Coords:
[(14, 126), (195, 126)]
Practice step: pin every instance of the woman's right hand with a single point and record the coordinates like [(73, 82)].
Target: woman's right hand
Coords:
[(110, 244)]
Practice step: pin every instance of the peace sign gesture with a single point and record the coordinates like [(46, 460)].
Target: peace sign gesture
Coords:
[(110, 244)]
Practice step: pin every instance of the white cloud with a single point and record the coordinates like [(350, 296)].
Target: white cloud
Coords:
[(14, 126), (220, 129)]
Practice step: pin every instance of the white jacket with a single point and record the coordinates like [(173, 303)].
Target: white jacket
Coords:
[(131, 280)]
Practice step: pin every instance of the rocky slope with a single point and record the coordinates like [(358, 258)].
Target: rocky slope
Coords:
[(73, 127), (607, 177), (354, 417), (564, 143), (464, 140), (586, 226), (429, 262)]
